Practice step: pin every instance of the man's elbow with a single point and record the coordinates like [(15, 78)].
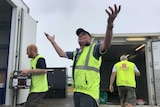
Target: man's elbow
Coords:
[(138, 74), (63, 55)]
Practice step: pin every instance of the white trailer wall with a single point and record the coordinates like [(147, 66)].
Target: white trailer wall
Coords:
[(156, 69), (22, 33)]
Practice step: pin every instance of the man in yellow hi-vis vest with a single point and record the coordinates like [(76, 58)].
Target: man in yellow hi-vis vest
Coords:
[(125, 72), (39, 83), (87, 61)]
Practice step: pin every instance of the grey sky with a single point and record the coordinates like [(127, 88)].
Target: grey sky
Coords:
[(63, 17)]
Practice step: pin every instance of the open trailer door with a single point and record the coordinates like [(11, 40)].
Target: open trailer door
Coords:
[(25, 35), (156, 69), (28, 36)]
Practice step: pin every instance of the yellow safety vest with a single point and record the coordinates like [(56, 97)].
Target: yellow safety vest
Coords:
[(39, 82), (86, 74), (125, 74)]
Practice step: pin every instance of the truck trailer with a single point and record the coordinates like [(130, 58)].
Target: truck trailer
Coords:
[(141, 48), (17, 30)]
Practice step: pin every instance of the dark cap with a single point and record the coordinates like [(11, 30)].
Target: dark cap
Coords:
[(80, 30)]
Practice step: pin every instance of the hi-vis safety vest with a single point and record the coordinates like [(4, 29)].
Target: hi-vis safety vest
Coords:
[(38, 82), (86, 74), (125, 75)]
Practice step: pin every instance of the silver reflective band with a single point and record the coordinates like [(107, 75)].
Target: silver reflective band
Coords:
[(87, 68)]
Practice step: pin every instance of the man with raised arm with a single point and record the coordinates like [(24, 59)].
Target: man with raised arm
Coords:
[(87, 61)]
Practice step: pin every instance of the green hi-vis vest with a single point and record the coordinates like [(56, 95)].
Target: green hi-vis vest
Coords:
[(125, 74), (39, 82), (86, 74)]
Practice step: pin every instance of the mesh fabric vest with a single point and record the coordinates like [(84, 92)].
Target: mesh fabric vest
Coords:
[(86, 73), (125, 74), (38, 82)]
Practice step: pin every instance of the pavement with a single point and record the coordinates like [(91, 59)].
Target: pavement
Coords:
[(68, 102)]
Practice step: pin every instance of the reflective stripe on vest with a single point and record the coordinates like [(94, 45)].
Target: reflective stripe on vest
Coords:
[(86, 73), (85, 66)]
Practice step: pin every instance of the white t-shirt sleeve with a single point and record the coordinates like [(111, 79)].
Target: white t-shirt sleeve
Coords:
[(135, 68), (114, 69)]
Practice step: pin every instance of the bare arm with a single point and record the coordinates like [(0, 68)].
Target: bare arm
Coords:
[(112, 78), (33, 71), (59, 51), (137, 74), (109, 32)]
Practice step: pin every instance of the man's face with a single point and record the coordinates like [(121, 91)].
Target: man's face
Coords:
[(29, 53), (83, 38)]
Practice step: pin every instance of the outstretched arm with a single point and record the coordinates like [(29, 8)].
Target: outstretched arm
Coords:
[(60, 52), (33, 71), (109, 33)]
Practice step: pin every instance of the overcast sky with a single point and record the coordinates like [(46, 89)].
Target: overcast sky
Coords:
[(63, 17)]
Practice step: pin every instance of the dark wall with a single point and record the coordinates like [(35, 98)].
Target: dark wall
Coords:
[(141, 90), (105, 72)]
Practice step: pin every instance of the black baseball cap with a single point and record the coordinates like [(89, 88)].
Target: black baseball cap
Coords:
[(80, 30)]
